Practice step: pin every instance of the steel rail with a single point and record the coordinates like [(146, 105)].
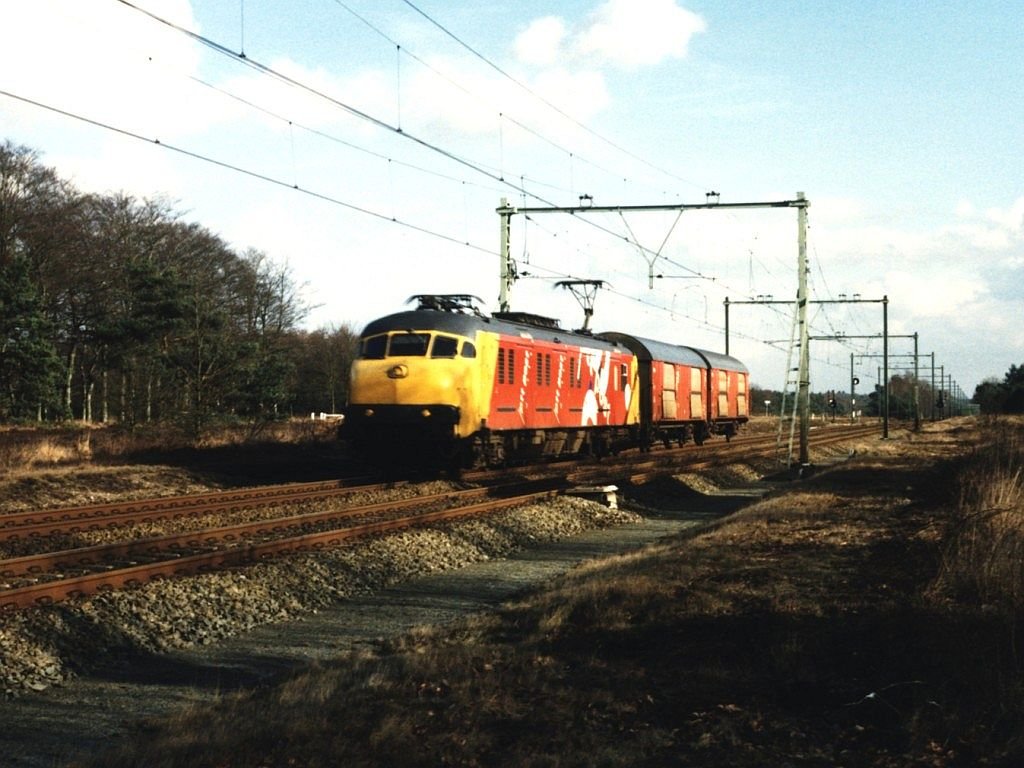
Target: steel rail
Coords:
[(686, 458), (94, 517), (80, 586), (95, 554), (85, 584)]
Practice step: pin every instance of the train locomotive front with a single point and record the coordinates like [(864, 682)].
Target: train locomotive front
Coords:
[(415, 386), (444, 385)]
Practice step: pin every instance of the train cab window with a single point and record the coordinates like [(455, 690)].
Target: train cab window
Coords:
[(409, 345), (623, 377), (374, 347), (444, 346), (468, 349)]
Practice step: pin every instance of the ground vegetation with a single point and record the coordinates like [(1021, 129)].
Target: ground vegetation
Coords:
[(868, 615)]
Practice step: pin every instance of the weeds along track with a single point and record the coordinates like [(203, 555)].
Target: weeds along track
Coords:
[(47, 560)]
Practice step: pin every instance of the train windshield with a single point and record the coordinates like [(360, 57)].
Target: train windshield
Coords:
[(444, 346), (409, 344), (374, 347)]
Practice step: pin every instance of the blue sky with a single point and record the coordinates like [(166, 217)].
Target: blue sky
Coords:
[(901, 121)]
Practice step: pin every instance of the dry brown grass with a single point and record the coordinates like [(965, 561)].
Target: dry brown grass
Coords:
[(25, 449), (801, 631), (22, 449), (985, 557)]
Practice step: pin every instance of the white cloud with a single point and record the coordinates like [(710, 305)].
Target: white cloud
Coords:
[(835, 211), (965, 209), (135, 168), (930, 295), (635, 33), (541, 42), (997, 229), (105, 61), (1010, 218)]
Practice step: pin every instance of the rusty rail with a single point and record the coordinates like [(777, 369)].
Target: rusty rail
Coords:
[(94, 517), (637, 468), (62, 589)]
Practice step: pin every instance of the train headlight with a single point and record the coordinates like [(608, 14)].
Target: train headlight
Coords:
[(425, 413), (368, 412)]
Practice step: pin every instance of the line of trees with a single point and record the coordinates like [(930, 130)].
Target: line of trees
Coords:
[(1006, 396), (114, 309)]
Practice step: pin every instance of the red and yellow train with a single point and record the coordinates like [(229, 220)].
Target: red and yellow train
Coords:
[(446, 385)]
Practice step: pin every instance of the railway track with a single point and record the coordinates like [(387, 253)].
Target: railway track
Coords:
[(229, 546), (50, 576), (641, 468), (93, 517)]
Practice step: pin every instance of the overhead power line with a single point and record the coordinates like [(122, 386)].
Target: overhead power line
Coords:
[(292, 82), (502, 115), (249, 172), (327, 198), (354, 111), (547, 102), (330, 137)]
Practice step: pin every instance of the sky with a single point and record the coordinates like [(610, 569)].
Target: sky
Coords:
[(366, 145)]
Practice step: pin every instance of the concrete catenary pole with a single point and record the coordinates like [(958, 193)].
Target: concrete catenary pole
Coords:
[(804, 397), (505, 218)]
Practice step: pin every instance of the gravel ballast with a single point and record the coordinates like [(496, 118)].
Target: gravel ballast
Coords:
[(79, 675), (47, 646)]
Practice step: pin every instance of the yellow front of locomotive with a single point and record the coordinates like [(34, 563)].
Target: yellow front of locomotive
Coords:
[(419, 390)]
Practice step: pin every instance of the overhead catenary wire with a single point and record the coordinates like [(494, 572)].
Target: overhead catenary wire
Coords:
[(264, 69), (248, 172), (503, 115), (370, 152), (501, 71), (248, 61)]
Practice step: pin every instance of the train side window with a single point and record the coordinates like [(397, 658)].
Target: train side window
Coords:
[(623, 377), (468, 349), (374, 347), (409, 345), (444, 346)]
